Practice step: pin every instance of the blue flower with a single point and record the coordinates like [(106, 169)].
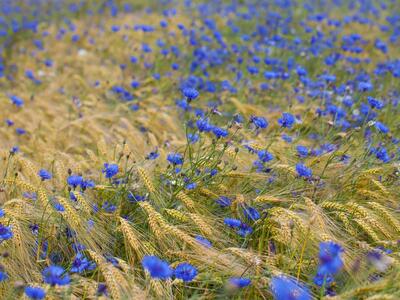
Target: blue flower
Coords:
[(204, 125), (303, 171), (202, 240), (20, 131), (74, 180), (35, 293), (232, 222), (244, 230), (251, 213), (265, 156), (153, 155), (287, 120), (44, 174), (302, 151), (224, 201), (330, 263), (375, 103), (186, 272), (175, 158), (157, 268), (110, 170), (259, 122), (381, 127), (190, 93), (219, 132), (5, 233), (285, 288), (193, 137), (3, 276), (55, 275), (239, 282), (81, 264), (2, 213), (102, 289), (330, 256), (16, 101)]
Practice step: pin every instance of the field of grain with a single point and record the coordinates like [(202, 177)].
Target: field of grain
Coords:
[(200, 149)]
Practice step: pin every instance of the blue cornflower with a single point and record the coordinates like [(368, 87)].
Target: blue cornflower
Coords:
[(193, 137), (330, 256), (74, 180), (202, 240), (3, 276), (285, 288), (2, 213), (303, 171), (109, 207), (265, 156), (251, 213), (375, 103), (14, 149), (186, 272), (5, 233), (87, 184), (190, 93), (191, 186), (9, 122), (175, 158), (239, 282), (20, 131), (44, 174), (157, 268), (224, 201), (244, 230), (381, 127), (232, 222), (204, 125), (302, 151), (219, 132), (330, 262), (81, 264), (259, 122), (16, 101), (55, 275), (153, 155), (35, 293), (110, 170), (381, 154), (287, 120)]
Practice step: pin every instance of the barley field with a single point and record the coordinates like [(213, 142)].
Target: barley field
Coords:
[(179, 149)]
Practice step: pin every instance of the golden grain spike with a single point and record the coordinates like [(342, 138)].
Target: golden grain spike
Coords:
[(189, 203), (146, 180)]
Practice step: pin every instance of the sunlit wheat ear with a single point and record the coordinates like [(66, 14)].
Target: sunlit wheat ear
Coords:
[(346, 222), (286, 168), (186, 200), (202, 224), (70, 213), (131, 236), (177, 215), (102, 148), (106, 270), (146, 180), (247, 256), (269, 199), (367, 229), (206, 192), (83, 203), (29, 169), (386, 215), (333, 206), (21, 184)]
